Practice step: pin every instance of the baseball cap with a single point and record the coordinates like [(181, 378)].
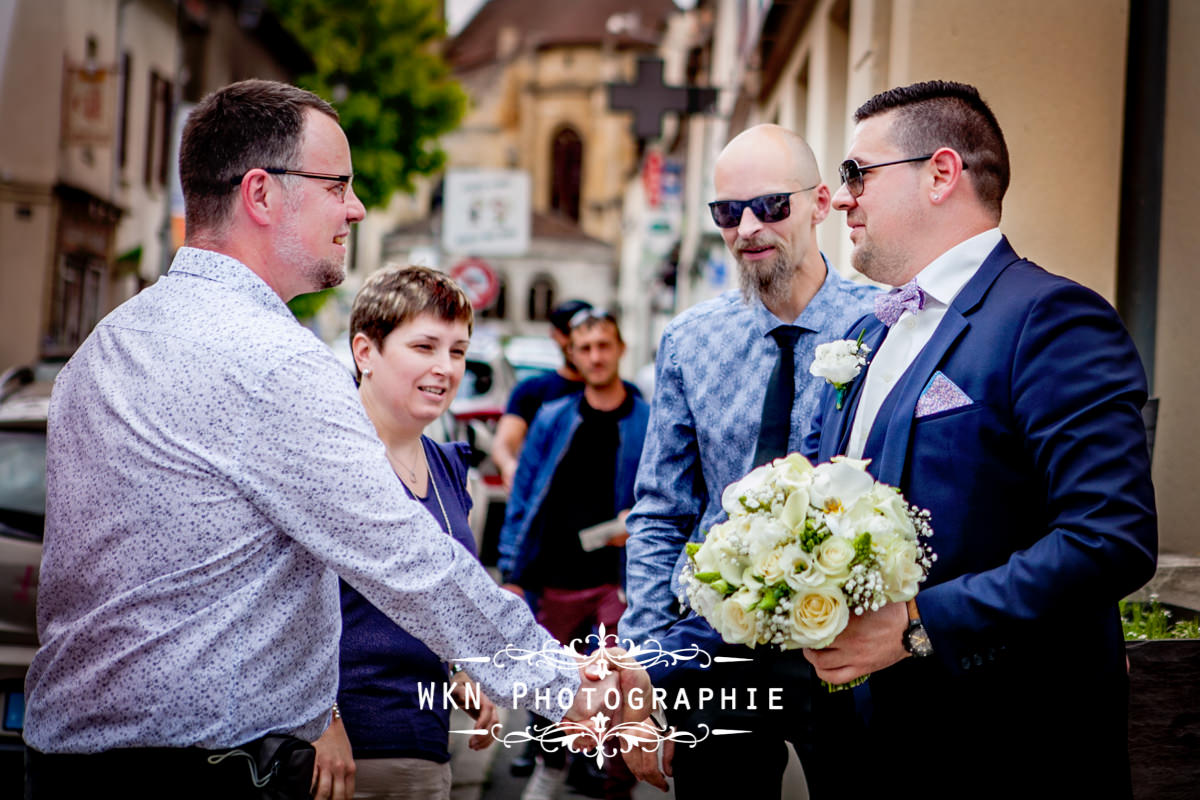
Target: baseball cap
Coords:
[(560, 316)]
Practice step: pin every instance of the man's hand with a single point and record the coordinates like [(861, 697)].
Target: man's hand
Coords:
[(333, 772), (642, 759), (512, 587), (484, 713), (871, 642)]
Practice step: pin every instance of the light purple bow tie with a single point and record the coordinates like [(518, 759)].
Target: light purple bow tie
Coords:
[(889, 307)]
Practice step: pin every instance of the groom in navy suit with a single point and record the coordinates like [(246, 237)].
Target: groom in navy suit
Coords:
[(1007, 401)]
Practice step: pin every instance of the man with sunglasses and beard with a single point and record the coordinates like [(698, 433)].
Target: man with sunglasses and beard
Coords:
[(732, 392)]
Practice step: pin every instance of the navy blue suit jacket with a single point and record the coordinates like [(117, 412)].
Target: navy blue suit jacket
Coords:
[(1043, 517)]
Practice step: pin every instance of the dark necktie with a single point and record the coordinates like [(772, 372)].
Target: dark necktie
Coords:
[(777, 405)]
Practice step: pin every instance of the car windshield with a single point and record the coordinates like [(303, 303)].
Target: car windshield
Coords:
[(477, 380), (23, 480)]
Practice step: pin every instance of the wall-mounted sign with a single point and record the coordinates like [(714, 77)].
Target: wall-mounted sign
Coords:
[(486, 212), (478, 281)]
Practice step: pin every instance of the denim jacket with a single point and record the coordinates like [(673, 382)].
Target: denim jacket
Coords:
[(552, 431)]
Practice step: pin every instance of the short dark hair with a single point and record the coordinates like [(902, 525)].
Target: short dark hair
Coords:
[(249, 124), (397, 294), (560, 316), (935, 114)]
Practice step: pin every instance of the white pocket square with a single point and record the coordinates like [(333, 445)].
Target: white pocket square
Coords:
[(940, 395)]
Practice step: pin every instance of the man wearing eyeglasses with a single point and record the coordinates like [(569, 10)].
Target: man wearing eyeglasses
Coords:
[(210, 476), (732, 392), (1007, 401)]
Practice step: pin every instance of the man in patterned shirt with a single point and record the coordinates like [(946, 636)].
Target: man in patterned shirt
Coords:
[(711, 382), (210, 475)]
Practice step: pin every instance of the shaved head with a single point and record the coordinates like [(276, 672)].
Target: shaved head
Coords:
[(769, 159), (789, 155)]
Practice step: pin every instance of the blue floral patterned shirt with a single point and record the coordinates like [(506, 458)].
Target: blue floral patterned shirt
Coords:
[(711, 375), (210, 474)]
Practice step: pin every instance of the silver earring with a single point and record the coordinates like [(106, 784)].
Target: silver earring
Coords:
[(937, 197), (366, 372)]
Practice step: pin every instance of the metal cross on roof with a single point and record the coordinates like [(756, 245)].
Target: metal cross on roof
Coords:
[(649, 96)]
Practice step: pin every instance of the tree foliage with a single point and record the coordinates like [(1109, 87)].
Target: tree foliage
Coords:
[(379, 63)]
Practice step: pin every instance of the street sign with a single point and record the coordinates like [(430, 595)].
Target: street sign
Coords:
[(486, 212), (478, 281)]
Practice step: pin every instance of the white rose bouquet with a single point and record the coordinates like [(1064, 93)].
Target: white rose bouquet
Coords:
[(803, 548)]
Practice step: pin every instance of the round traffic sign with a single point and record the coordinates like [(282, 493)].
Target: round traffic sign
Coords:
[(478, 281)]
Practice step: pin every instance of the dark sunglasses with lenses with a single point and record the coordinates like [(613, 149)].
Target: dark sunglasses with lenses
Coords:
[(767, 207), (851, 172)]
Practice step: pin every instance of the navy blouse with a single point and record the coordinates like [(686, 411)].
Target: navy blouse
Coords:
[(382, 664)]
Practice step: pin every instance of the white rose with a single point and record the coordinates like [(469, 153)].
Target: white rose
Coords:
[(818, 616), (837, 362), (836, 486), (833, 556), (899, 569), (764, 534), (803, 574), (773, 567), (705, 600), (737, 618), (753, 484)]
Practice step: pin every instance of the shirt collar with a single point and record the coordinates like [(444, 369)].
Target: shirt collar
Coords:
[(947, 274), (227, 270)]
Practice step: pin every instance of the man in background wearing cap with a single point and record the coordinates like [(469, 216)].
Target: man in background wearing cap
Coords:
[(532, 393)]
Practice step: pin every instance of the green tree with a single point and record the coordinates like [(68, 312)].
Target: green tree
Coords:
[(379, 63)]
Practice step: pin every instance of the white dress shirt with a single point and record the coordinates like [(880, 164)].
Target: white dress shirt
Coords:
[(210, 474), (941, 281)]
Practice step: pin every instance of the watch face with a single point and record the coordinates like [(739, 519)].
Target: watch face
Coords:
[(916, 640)]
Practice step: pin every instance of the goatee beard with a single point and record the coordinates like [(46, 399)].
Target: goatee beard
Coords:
[(769, 281)]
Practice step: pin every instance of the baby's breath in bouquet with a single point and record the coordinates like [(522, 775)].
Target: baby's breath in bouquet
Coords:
[(803, 548)]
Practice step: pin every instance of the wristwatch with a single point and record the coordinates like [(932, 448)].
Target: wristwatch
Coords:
[(915, 638)]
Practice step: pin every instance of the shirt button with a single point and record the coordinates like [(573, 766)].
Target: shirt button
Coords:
[(910, 323)]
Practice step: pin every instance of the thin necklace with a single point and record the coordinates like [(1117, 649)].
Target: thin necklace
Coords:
[(438, 495), (413, 479), (411, 471)]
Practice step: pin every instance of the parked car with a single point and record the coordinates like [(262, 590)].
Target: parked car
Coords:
[(24, 400), (532, 355)]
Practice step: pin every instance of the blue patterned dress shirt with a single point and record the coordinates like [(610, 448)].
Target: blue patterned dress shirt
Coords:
[(711, 375), (211, 472)]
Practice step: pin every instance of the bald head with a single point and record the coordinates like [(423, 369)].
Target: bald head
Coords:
[(770, 200), (773, 147)]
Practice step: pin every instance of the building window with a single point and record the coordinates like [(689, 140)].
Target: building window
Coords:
[(78, 287), (498, 309), (541, 298), (158, 131), (567, 157)]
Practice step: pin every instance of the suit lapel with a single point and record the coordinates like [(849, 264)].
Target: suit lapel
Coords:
[(873, 338), (887, 444)]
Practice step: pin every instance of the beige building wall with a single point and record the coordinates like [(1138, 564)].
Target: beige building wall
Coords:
[(30, 97), (1054, 74), (1177, 377)]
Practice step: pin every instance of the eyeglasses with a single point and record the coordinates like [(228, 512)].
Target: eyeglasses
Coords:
[(851, 172), (344, 181), (767, 207), (586, 315)]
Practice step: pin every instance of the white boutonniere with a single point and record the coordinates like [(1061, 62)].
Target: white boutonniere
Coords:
[(840, 363)]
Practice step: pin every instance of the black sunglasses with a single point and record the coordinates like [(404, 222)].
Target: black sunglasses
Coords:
[(767, 207), (851, 172)]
